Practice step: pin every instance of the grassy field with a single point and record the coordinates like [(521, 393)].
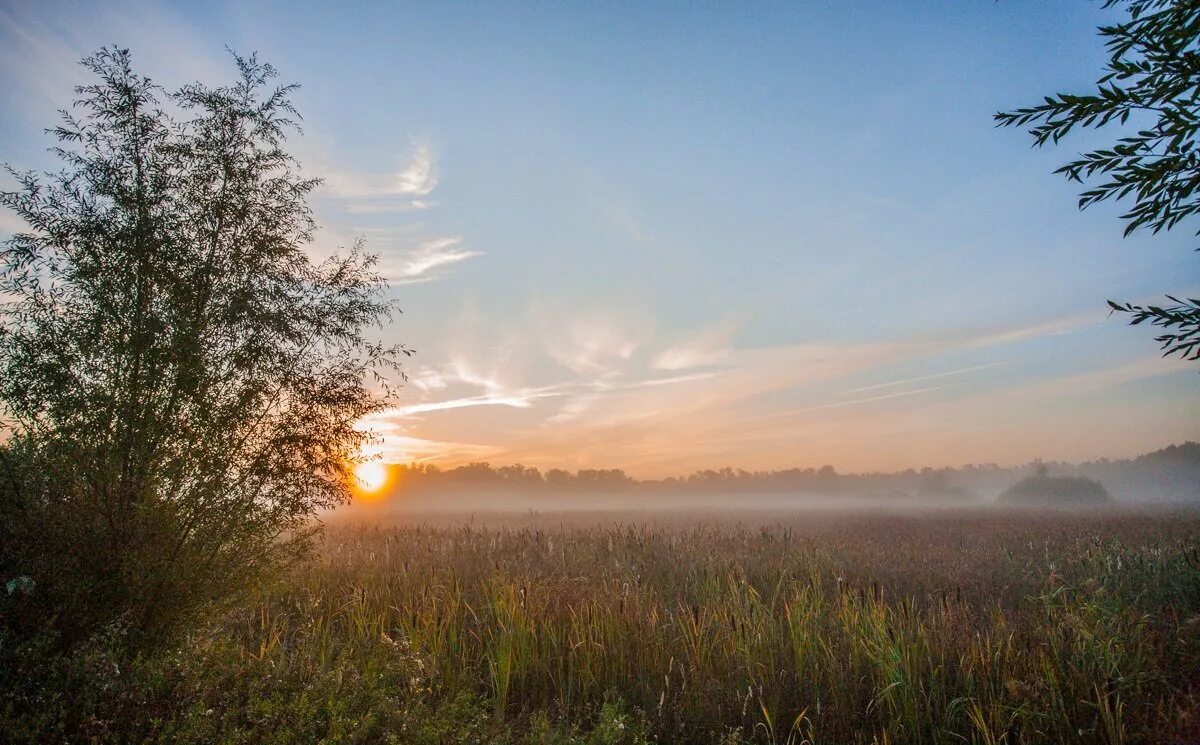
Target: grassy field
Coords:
[(945, 627)]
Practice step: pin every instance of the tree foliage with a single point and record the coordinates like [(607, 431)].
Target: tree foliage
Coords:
[(1151, 88), (180, 381)]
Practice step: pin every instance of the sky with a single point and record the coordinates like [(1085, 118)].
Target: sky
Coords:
[(671, 236)]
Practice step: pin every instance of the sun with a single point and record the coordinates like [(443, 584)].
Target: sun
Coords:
[(371, 476)]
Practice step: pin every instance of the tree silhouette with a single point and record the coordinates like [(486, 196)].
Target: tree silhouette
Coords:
[(180, 380), (1151, 78)]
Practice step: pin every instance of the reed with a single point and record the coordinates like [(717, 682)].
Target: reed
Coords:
[(978, 629), (953, 628)]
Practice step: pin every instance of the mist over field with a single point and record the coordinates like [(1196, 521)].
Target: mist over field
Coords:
[(535, 373), (1165, 478)]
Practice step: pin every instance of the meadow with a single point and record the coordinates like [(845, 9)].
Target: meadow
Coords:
[(967, 626)]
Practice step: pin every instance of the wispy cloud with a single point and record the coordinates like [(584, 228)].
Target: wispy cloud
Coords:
[(518, 401), (423, 261), (590, 389), (1056, 326), (420, 177), (922, 378), (410, 184), (590, 345), (572, 409), (428, 379), (652, 382), (396, 444), (708, 348), (406, 449), (857, 401), (459, 374)]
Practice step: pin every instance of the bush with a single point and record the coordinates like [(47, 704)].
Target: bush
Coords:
[(1041, 490), (180, 383)]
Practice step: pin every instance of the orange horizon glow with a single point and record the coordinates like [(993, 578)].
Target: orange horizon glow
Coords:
[(370, 477)]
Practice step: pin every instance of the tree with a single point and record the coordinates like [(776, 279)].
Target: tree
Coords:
[(1149, 86), (180, 382)]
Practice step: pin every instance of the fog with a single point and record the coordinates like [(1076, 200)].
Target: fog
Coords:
[(1163, 480), (500, 502)]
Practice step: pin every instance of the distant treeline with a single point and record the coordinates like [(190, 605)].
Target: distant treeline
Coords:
[(1168, 475)]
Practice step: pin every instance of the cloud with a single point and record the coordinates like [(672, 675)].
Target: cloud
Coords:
[(701, 401), (682, 358), (463, 372), (420, 264), (591, 345), (404, 189), (394, 443), (736, 411), (428, 380), (1056, 326), (704, 350), (371, 208), (651, 382), (458, 374), (858, 401), (572, 409), (420, 178), (405, 449), (518, 401), (922, 378)]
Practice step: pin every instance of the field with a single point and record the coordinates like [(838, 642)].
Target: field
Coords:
[(939, 627)]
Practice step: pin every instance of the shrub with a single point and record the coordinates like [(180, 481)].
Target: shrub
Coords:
[(1041, 490), (180, 382)]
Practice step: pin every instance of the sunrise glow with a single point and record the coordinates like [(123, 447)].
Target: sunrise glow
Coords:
[(675, 286), (371, 476)]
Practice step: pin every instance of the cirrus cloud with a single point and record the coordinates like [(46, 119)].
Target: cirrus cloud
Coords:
[(422, 263)]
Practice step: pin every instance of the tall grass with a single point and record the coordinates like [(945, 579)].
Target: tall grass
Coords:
[(841, 630)]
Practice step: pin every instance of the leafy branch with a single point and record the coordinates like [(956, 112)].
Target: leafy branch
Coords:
[(1152, 79)]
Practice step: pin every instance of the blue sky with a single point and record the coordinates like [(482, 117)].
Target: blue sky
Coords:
[(692, 235)]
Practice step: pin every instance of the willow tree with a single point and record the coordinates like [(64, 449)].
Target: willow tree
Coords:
[(1150, 92), (180, 380)]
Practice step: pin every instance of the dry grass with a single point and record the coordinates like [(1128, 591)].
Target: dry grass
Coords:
[(942, 627)]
